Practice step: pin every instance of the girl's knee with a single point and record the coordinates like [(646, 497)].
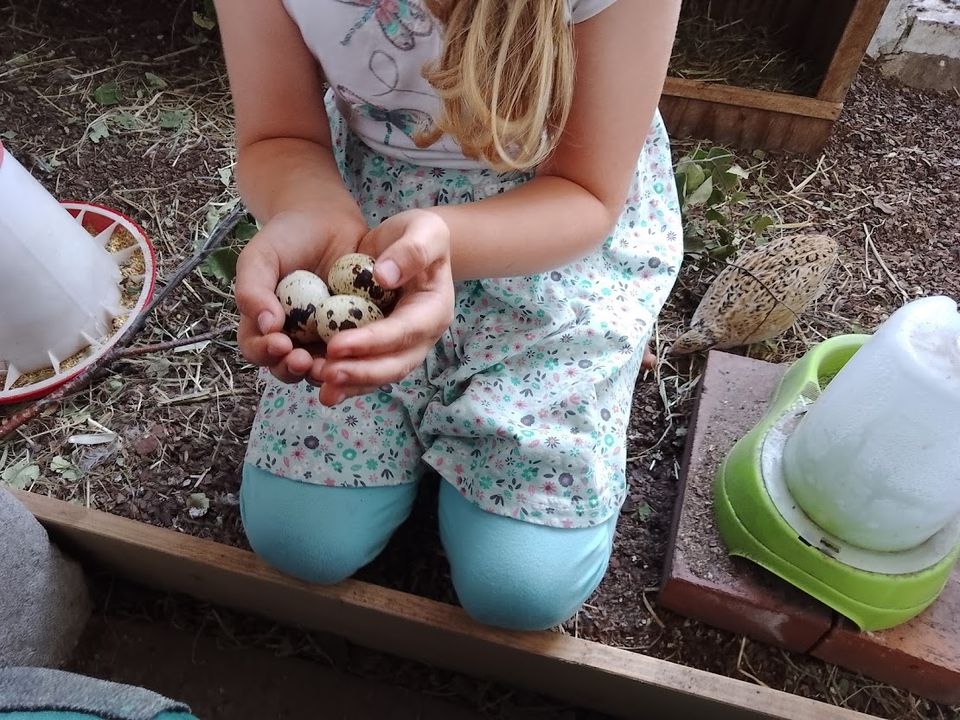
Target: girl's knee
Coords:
[(317, 533), (517, 574), (513, 601)]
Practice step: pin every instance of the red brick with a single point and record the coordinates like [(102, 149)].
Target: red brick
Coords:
[(703, 582), (700, 580), (922, 656)]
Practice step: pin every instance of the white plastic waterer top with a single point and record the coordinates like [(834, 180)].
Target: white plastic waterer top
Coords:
[(874, 459), (58, 284)]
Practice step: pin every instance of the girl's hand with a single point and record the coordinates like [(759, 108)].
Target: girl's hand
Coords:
[(413, 253), (296, 240)]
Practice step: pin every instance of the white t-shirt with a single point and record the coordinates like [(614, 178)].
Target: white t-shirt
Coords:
[(372, 53)]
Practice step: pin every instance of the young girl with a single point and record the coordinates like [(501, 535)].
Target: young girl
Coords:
[(504, 162)]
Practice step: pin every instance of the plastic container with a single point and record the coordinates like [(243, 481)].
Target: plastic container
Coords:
[(58, 286), (874, 460)]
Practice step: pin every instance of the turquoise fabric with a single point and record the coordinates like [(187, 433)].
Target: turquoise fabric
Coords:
[(506, 572), (319, 533)]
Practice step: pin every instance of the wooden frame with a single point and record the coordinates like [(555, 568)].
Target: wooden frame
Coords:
[(751, 118), (586, 673)]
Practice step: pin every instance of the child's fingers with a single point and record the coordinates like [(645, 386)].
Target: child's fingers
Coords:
[(258, 272), (293, 367), (409, 325), (373, 371), (412, 253), (258, 348)]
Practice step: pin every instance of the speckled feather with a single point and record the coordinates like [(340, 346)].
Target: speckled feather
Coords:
[(759, 295)]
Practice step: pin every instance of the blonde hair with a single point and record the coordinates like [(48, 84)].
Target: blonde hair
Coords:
[(505, 78)]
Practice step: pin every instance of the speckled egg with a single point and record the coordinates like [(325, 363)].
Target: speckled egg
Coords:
[(344, 312), (300, 293), (353, 275)]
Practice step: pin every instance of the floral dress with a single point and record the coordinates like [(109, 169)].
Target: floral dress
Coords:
[(523, 403)]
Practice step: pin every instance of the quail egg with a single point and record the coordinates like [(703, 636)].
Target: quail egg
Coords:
[(343, 312), (353, 275), (300, 293)]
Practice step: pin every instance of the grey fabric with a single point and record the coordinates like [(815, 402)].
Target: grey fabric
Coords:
[(29, 689), (44, 603)]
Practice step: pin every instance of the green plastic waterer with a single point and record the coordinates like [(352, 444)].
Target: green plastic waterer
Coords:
[(849, 486)]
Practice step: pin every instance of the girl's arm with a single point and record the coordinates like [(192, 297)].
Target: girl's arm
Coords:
[(568, 209), (286, 174), (562, 214)]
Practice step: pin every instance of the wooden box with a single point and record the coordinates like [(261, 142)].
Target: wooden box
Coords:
[(829, 37)]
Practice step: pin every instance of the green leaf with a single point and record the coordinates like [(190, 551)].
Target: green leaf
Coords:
[(715, 216), (693, 244), (65, 469), (694, 174), (207, 23), (154, 81), (225, 173), (108, 93), (702, 193), (245, 230), (222, 264), (98, 131), (174, 119), (126, 120), (21, 474), (8, 135), (643, 511), (761, 223)]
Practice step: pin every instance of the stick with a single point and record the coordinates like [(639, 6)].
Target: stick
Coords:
[(219, 234), (136, 350)]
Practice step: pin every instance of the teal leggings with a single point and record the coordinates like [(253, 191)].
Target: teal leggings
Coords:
[(506, 572)]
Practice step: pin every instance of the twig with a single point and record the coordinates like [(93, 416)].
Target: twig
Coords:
[(869, 243), (136, 350), (219, 234)]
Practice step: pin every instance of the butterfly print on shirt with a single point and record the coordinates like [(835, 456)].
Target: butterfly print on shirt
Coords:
[(402, 21)]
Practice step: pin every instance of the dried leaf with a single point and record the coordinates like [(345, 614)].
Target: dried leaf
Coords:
[(882, 206), (222, 264), (154, 81), (92, 438), (107, 94), (20, 475), (174, 119), (98, 131), (201, 20), (126, 120)]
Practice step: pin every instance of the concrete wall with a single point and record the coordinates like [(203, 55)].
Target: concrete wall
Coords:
[(918, 41)]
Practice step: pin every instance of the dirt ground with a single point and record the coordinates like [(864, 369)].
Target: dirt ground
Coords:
[(127, 104)]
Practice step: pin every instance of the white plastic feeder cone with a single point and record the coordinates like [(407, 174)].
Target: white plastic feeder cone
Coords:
[(874, 460), (58, 284)]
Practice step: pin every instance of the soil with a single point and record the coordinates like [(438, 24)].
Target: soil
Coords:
[(886, 188)]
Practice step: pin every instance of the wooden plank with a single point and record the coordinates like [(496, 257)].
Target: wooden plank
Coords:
[(853, 45), (579, 671), (751, 98), (744, 127)]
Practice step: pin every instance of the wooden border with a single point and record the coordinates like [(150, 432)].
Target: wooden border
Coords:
[(578, 671), (747, 118), (751, 118), (857, 34)]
